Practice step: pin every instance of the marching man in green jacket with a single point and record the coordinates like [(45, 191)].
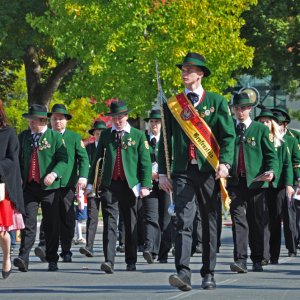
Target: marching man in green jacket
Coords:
[(43, 160), (200, 138), (74, 179), (124, 176), (254, 156)]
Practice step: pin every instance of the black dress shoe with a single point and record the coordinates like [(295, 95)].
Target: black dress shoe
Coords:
[(87, 252), (131, 267), (181, 281), (198, 249), (52, 267), (120, 248), (21, 264), (292, 254), (264, 262), (107, 267), (148, 257), (40, 253), (208, 282), (257, 267), (5, 274), (239, 267), (67, 258), (273, 261)]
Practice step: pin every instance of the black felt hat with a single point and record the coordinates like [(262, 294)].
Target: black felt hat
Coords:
[(97, 125), (154, 114), (242, 99), (59, 109), (283, 112), (195, 59), (36, 111), (118, 108)]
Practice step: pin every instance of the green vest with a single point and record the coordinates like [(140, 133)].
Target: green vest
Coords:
[(135, 157), (78, 161), (259, 155), (52, 158), (215, 111)]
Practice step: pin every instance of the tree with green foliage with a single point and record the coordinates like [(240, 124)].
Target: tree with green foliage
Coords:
[(115, 44), (21, 44), (17, 104), (273, 28)]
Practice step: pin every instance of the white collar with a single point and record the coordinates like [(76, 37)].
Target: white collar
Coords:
[(247, 122), (151, 136), (42, 131), (126, 128), (199, 91)]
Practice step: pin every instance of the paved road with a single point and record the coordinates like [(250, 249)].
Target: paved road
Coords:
[(82, 279)]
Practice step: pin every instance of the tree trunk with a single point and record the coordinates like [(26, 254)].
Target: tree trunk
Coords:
[(39, 93)]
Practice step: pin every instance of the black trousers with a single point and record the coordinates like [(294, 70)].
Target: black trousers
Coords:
[(121, 230), (197, 230), (140, 223), (190, 187), (151, 224), (297, 208), (93, 206), (34, 196), (67, 219), (248, 214), (164, 222), (280, 209), (119, 195)]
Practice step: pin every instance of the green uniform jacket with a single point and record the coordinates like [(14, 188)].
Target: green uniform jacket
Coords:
[(53, 158), (78, 161), (259, 155), (215, 111), (284, 175), (293, 146), (135, 156)]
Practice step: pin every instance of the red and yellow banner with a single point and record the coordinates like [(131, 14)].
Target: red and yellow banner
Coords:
[(199, 133)]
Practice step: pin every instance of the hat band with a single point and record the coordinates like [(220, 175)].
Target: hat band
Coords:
[(243, 101), (59, 111), (37, 113), (155, 116), (119, 109), (194, 61)]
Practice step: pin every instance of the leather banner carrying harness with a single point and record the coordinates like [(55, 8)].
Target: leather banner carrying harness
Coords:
[(199, 133)]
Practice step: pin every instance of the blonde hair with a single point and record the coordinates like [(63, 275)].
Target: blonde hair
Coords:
[(277, 134)]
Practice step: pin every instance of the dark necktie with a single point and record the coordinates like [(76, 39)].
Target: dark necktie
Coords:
[(118, 137), (153, 145), (193, 97), (153, 142), (36, 138), (241, 128)]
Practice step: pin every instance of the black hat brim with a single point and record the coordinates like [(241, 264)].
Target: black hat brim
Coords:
[(147, 119), (29, 116)]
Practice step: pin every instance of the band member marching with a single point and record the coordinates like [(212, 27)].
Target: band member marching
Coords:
[(200, 136), (126, 176)]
